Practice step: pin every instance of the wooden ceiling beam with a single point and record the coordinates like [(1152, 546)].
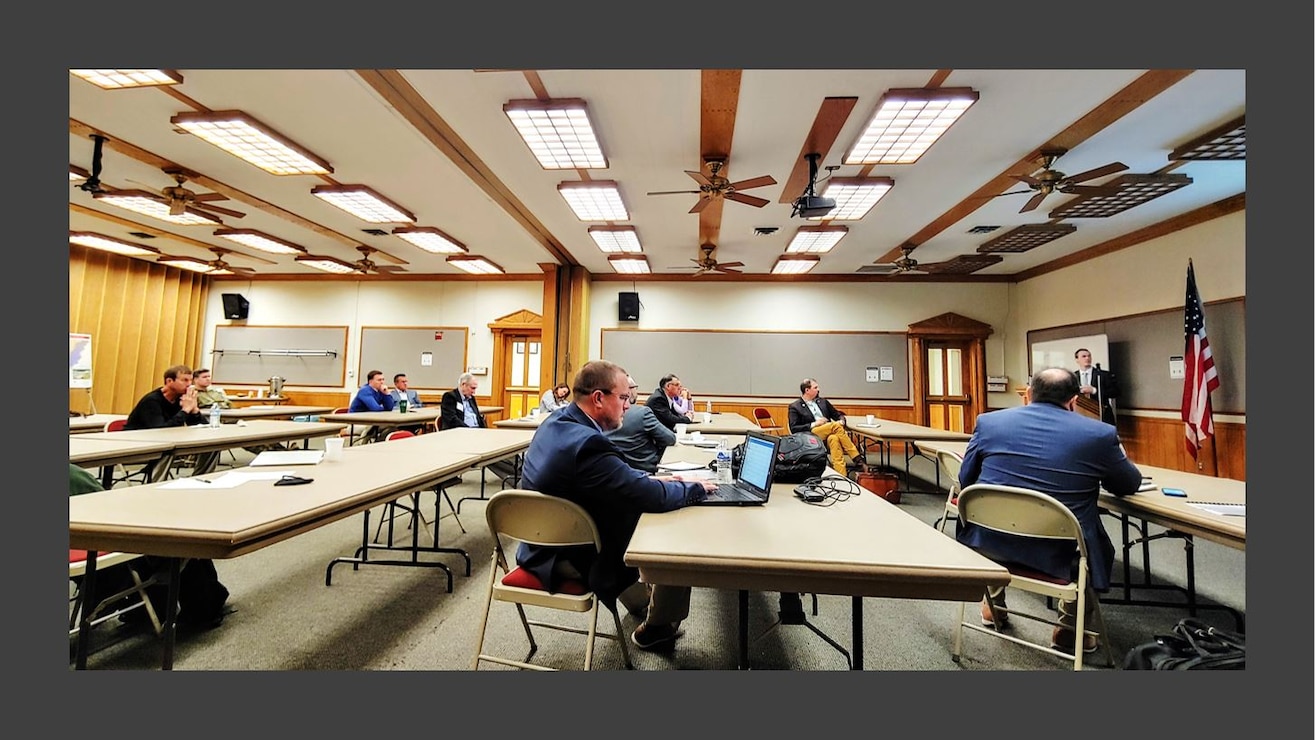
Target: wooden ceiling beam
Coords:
[(831, 117), (719, 103)]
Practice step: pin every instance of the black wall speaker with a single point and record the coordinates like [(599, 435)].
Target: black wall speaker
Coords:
[(627, 307), (235, 306)]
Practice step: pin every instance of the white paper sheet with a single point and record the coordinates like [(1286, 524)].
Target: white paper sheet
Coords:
[(288, 457), (681, 465)]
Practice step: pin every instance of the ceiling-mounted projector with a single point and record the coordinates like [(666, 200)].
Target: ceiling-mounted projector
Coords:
[(812, 206)]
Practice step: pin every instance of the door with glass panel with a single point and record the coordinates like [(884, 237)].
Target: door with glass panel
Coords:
[(948, 384), (521, 387)]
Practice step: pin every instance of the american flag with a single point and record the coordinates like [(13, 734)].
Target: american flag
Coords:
[(1201, 377)]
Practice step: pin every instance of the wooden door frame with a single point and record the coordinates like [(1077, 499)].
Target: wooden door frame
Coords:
[(524, 322), (950, 327)]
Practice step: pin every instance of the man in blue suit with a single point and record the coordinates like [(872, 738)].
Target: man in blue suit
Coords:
[(571, 457), (1046, 447)]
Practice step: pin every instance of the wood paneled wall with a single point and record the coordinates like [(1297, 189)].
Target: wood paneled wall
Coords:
[(142, 317)]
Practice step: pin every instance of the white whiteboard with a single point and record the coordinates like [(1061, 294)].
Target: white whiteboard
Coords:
[(79, 360), (1059, 352)]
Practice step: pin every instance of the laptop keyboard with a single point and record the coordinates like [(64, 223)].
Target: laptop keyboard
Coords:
[(731, 492)]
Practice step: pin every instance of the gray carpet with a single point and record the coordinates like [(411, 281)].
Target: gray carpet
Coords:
[(382, 618)]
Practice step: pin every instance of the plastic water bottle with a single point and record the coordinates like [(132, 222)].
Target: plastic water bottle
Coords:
[(214, 416), (724, 473)]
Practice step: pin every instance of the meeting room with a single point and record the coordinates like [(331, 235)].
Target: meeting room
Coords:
[(487, 308)]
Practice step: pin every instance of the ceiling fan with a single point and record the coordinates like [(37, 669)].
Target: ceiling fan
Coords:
[(713, 186), (904, 265), (180, 199), (365, 265), (1051, 180), (216, 265), (707, 263)]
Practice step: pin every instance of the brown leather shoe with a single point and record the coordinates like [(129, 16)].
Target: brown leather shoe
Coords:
[(1062, 639), (987, 620)]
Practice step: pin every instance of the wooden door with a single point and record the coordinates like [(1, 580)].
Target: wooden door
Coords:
[(948, 384), (524, 355)]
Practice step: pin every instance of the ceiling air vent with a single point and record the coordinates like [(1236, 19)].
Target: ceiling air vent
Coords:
[(141, 235), (982, 229), (375, 232)]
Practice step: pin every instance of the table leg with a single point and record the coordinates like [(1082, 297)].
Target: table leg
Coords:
[(744, 631), (857, 620), (84, 622), (170, 626)]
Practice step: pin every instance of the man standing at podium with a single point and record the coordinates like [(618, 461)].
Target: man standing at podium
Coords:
[(1098, 385)]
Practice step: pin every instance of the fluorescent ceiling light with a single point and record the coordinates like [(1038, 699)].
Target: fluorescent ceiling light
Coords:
[(816, 239), (854, 196), (474, 264), (76, 173), (629, 264), (430, 239), (153, 205), (594, 200), (115, 79), (246, 138), (105, 243), (907, 122), (327, 264), (795, 264), (195, 265), (363, 203), (558, 132), (615, 239), (260, 240)]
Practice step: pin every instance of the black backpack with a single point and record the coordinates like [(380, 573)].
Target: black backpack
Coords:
[(799, 457), (1193, 646)]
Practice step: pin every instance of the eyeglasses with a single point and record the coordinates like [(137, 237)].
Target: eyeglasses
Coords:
[(624, 397)]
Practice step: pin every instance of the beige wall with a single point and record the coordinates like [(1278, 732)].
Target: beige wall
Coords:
[(1148, 277)]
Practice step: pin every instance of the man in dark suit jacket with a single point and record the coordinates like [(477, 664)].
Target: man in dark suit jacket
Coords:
[(664, 405), (459, 409), (1046, 447), (571, 457), (812, 413), (1097, 384), (641, 438)]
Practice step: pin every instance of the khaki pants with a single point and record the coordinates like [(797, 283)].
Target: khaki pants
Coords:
[(665, 604), (1067, 609), (836, 438)]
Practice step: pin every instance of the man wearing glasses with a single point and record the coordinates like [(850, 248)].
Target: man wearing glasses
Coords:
[(571, 457)]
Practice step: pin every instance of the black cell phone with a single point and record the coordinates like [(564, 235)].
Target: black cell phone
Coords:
[(292, 480), (1178, 492)]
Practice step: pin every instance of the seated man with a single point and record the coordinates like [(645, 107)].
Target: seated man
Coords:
[(173, 404), (373, 396), (402, 389), (641, 438), (460, 410), (207, 393), (812, 413), (571, 457), (664, 402), (1046, 447)]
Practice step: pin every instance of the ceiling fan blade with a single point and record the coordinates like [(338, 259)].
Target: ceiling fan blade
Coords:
[(220, 209), (209, 196), (699, 206), (751, 200), (724, 268), (176, 258), (1090, 189), (243, 270), (700, 178), (700, 271), (1108, 169), (674, 192), (389, 268), (730, 264), (753, 182), (1028, 179), (1012, 192), (1033, 202)]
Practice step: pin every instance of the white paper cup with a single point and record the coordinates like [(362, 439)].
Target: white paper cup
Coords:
[(534, 412), (707, 418), (871, 420), (697, 436), (333, 449), (681, 429)]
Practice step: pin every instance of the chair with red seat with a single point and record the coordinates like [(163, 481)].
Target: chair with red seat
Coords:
[(114, 474), (765, 420), (527, 516), (402, 504)]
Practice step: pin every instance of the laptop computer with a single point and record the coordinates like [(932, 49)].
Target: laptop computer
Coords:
[(753, 484)]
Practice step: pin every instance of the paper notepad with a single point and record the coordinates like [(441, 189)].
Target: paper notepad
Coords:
[(681, 465), (289, 457), (1221, 509)]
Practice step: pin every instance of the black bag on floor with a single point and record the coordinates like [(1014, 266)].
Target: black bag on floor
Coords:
[(1193, 646), (799, 457)]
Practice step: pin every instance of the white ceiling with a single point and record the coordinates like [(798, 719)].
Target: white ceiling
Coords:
[(649, 125)]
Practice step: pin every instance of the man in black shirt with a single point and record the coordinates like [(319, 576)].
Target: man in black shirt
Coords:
[(171, 405)]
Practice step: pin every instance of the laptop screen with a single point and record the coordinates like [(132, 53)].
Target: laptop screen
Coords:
[(756, 470)]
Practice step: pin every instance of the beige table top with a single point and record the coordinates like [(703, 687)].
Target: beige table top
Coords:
[(1168, 511), (722, 424), (524, 422), (227, 522), (91, 422), (412, 417), (902, 431), (201, 438), (259, 400), (266, 411), (949, 445), (89, 452), (863, 546), (500, 442)]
